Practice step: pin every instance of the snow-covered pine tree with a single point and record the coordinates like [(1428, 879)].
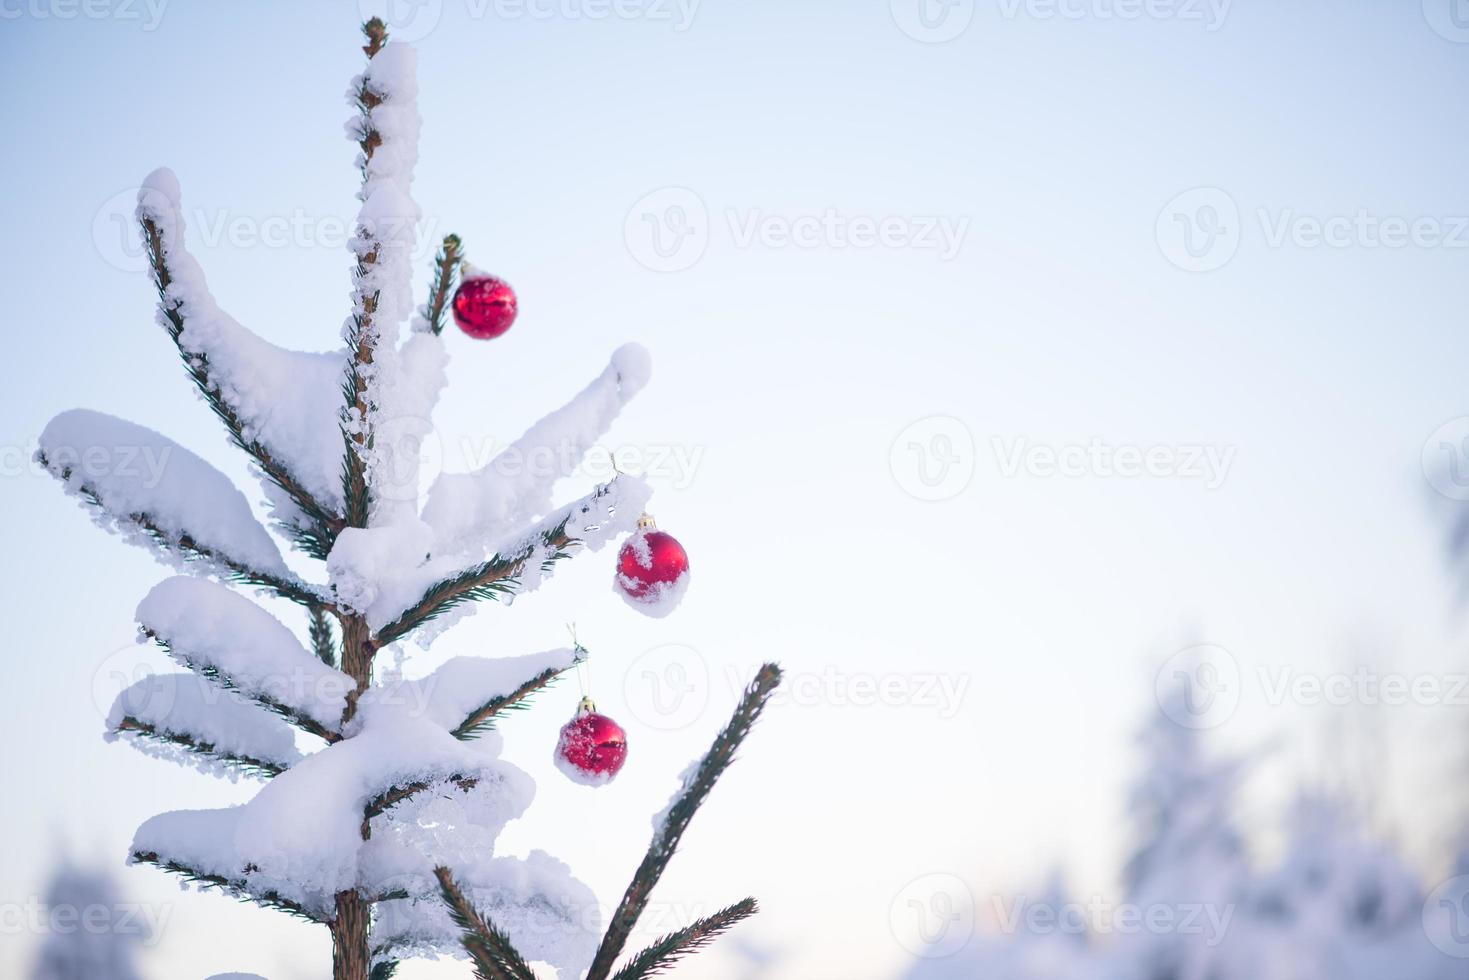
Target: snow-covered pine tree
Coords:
[(81, 947), (1189, 854), (1338, 893), (383, 829)]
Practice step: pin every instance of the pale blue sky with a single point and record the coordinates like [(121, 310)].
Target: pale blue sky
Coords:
[(1055, 142)]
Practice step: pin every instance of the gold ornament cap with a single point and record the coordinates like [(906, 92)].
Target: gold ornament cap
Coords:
[(586, 706), (646, 522)]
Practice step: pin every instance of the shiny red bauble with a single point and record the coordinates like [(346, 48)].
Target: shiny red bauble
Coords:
[(652, 570), (592, 747), (484, 307)]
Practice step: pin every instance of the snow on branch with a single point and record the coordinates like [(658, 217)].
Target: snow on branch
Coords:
[(462, 697), (185, 719), (386, 128), (196, 844), (465, 693), (482, 719), (442, 584), (233, 887), (669, 826), (535, 908), (278, 405), (229, 639), (389, 798), (515, 487), (156, 493), (303, 837)]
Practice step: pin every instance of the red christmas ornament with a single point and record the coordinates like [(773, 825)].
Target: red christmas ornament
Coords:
[(592, 747), (652, 570), (484, 307)]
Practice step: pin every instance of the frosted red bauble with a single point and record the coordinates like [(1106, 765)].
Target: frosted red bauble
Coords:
[(484, 307), (592, 746), (651, 566)]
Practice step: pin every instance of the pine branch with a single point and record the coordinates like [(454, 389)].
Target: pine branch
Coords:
[(362, 334), (185, 547), (308, 725), (482, 719), (390, 798), (354, 471), (446, 270), (376, 33), (490, 949), (239, 573), (323, 644), (664, 953), (384, 970), (488, 580), (245, 763), (676, 820), (316, 537), (500, 575), (235, 889)]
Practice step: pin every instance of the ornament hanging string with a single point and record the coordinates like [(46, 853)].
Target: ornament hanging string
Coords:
[(581, 661)]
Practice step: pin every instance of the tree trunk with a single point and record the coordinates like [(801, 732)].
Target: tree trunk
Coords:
[(350, 952), (349, 937)]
